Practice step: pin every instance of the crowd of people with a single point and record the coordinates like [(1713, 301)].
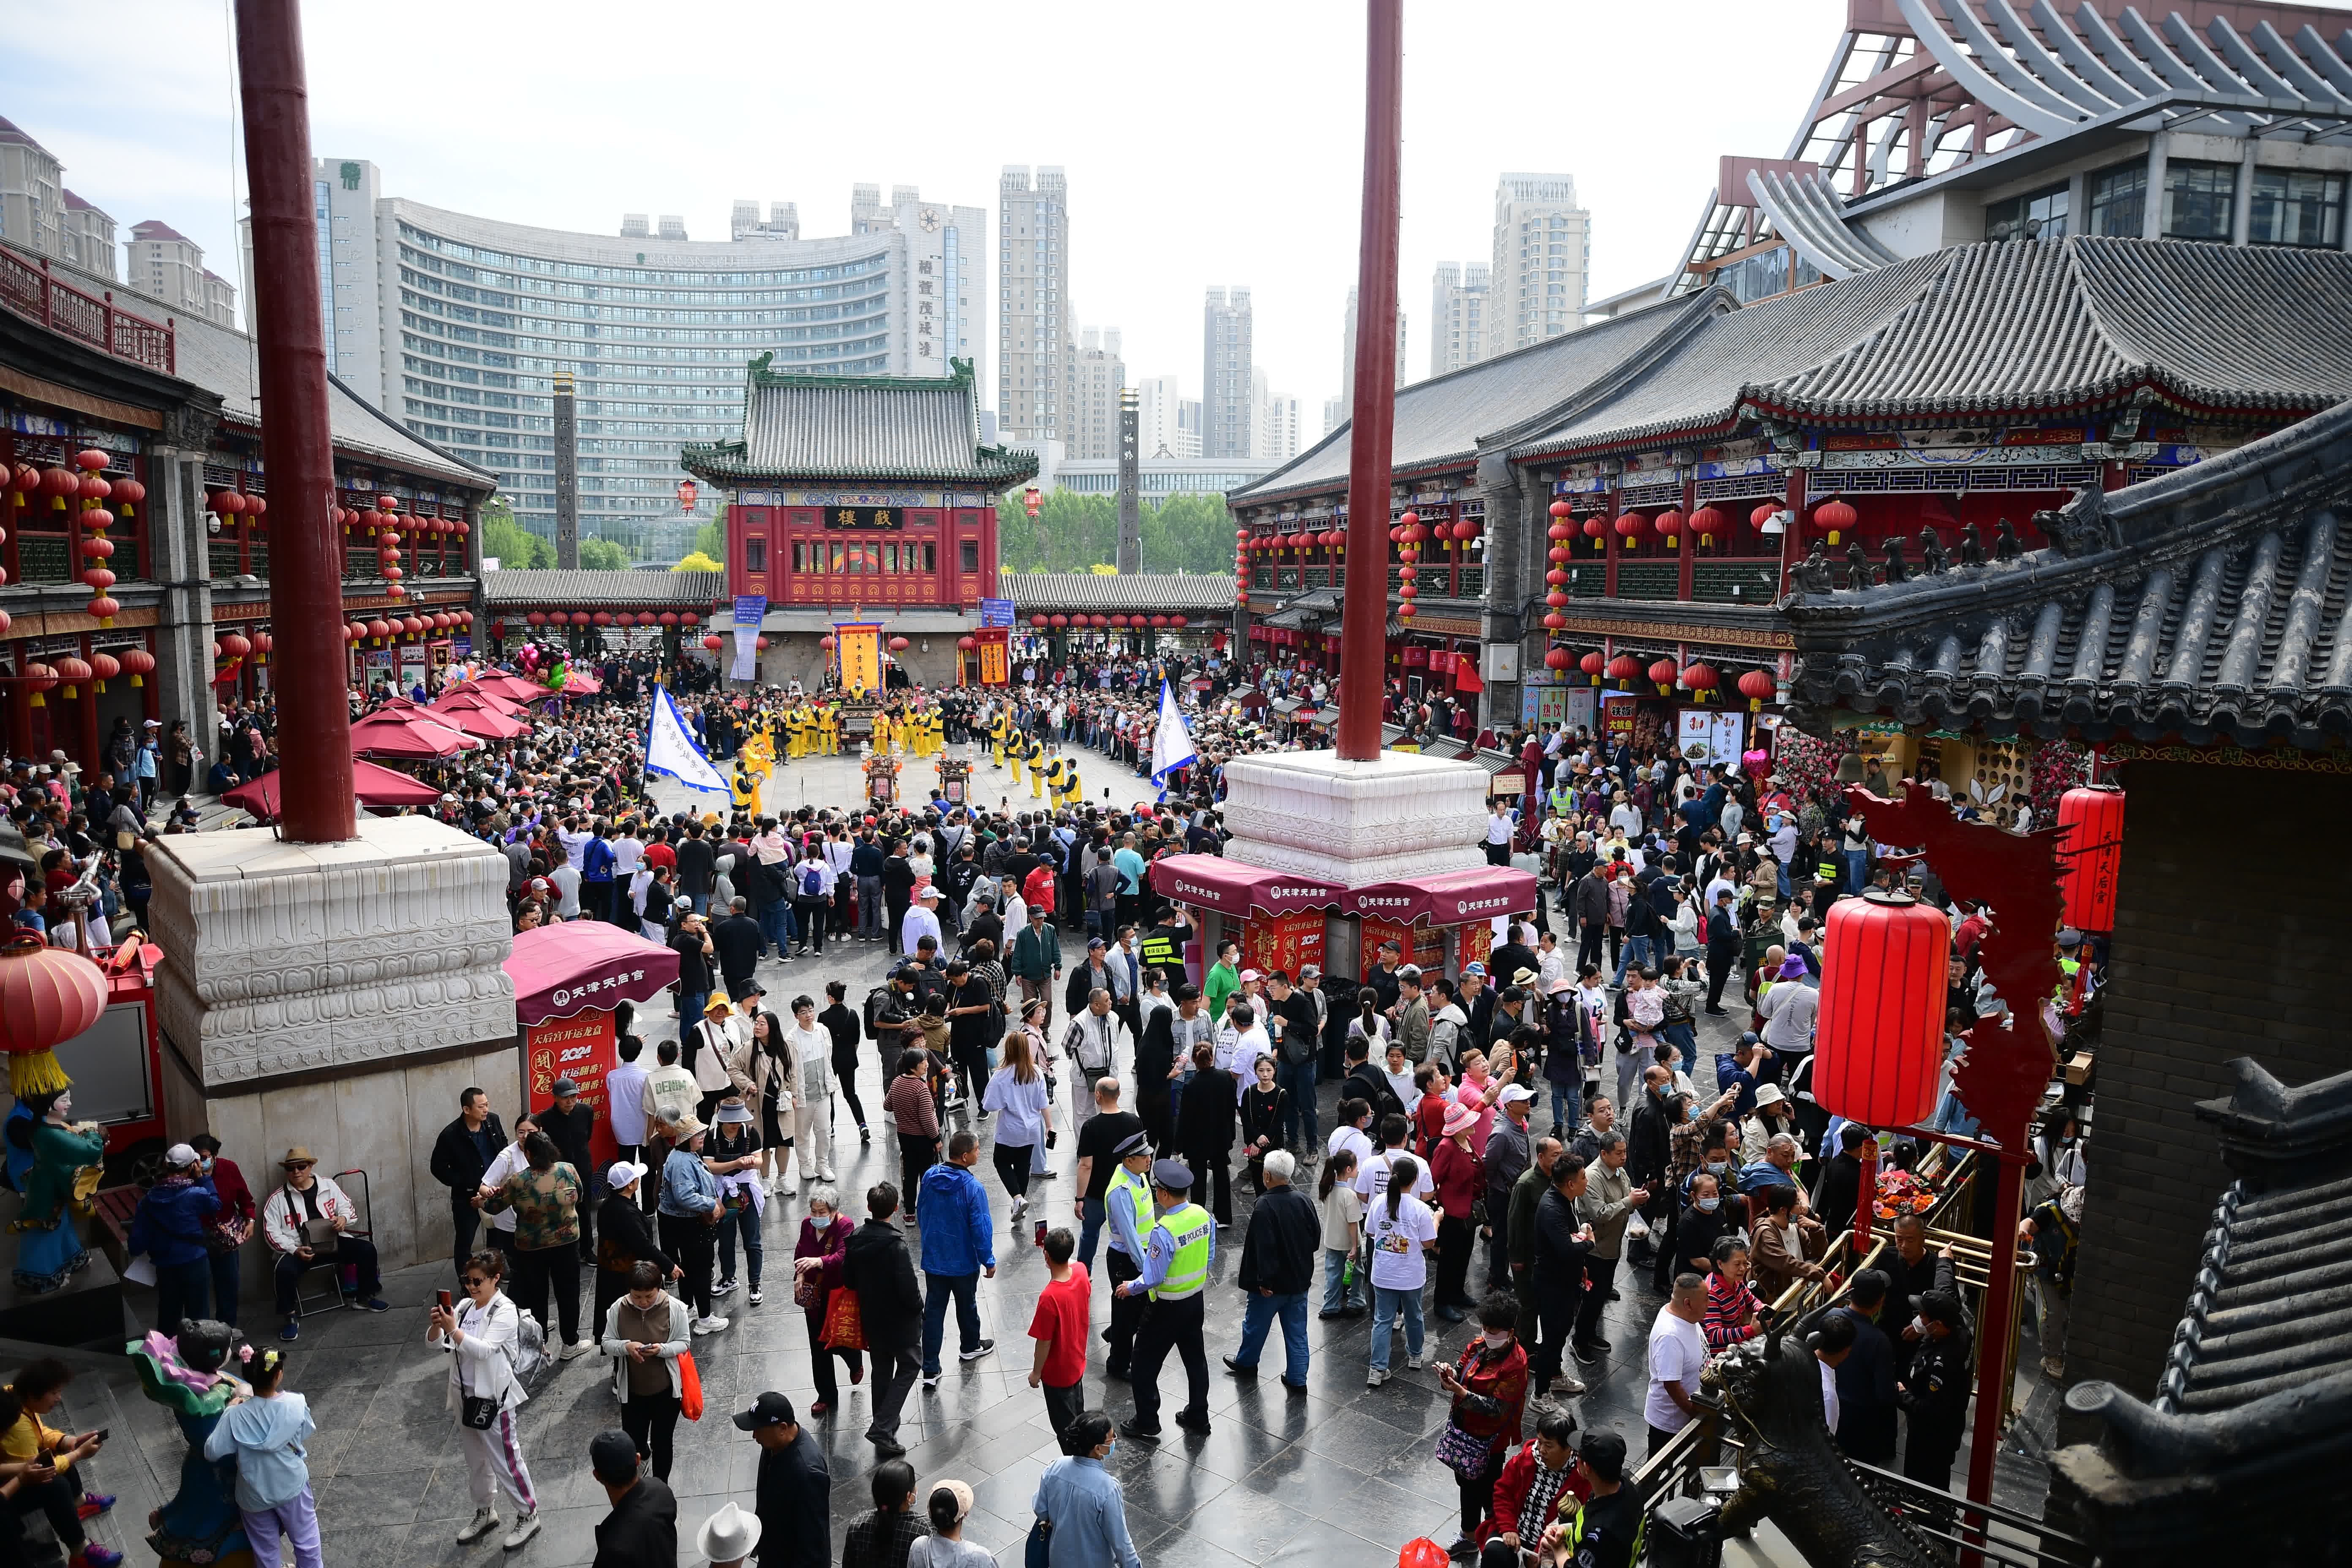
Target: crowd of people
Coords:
[(1500, 1141)]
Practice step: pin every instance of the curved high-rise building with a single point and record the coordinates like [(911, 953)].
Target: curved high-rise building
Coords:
[(456, 326)]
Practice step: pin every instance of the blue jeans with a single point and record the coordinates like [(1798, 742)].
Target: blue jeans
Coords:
[(180, 1291), (1387, 1306), (1258, 1316), (1857, 869), (869, 906), (1636, 956), (776, 925), (1685, 1040), (224, 1287), (1780, 869), (1090, 1229), (938, 1288), (745, 1220), (690, 1009), (1567, 1103), (1336, 1296), (1298, 1116)]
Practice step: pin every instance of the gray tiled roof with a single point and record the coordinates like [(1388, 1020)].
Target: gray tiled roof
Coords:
[(2210, 603), (1444, 419), (859, 427), (582, 589), (1154, 593)]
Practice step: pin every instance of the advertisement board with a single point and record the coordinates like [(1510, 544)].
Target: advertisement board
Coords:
[(581, 1048), (1617, 715), (1706, 737), (1282, 942)]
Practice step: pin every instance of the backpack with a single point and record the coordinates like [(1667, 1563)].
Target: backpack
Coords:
[(531, 1347), (812, 881), (876, 1000)]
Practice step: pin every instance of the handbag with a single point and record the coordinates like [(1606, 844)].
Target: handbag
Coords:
[(689, 1386), (476, 1411), (843, 1329), (1039, 1553), (1460, 1452)]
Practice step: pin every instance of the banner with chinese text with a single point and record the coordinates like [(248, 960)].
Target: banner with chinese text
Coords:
[(859, 648), (995, 655), (579, 1047)]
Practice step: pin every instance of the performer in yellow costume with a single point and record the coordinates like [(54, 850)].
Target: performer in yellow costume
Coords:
[(883, 730), (1036, 768), (1069, 795), (829, 729), (746, 793), (999, 728)]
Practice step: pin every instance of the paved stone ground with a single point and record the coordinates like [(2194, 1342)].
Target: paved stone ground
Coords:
[(1340, 1474)]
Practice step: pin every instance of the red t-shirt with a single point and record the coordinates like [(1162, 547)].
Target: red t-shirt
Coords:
[(661, 855), (1062, 1318)]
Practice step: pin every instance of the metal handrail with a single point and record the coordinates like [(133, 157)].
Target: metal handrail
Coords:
[(27, 288), (2003, 1535)]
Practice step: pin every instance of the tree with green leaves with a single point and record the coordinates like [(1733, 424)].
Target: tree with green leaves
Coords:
[(604, 555), (1076, 532), (508, 542)]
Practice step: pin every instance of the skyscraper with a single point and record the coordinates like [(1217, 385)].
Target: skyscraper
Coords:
[(38, 215), (169, 266), (1091, 399), (1543, 245), (1226, 408), (1457, 313), (1348, 356), (1165, 428), (1032, 313)]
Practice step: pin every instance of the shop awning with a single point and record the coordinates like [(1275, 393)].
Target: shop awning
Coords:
[(1237, 888), (1446, 897), (481, 722), (374, 785), (411, 733), (568, 968), (513, 688)]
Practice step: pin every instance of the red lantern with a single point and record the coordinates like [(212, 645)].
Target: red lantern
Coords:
[(1879, 1041), (1157, 621), (379, 628), (1098, 620), (669, 617), (580, 617), (1557, 658), (1701, 678), (602, 618), (139, 663), (2093, 818), (537, 618), (1835, 516), (714, 642), (759, 643), (965, 644), (1040, 622), (1706, 523), (1559, 508), (1118, 621), (48, 996), (73, 671), (1592, 663), (1176, 621), (1631, 526), (1669, 525), (898, 644), (1624, 667), (689, 618), (1758, 687), (1662, 675), (1062, 620), (828, 642), (103, 667), (1593, 530)]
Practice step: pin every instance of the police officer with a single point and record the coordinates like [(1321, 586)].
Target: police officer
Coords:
[(1127, 1206), (1934, 1393), (1177, 1255), (1606, 1532)]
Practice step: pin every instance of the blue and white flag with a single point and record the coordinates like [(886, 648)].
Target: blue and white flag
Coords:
[(670, 750), (1171, 742)]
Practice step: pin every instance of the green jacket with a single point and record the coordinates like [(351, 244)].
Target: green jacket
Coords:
[(1525, 1193), (1036, 953)]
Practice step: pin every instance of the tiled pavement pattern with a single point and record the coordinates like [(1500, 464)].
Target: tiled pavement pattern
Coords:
[(1338, 1475)]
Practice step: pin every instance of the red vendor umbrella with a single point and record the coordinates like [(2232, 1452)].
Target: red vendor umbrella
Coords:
[(374, 785), (410, 733), (562, 970)]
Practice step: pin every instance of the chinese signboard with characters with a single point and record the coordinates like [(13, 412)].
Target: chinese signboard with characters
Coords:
[(866, 517), (581, 1048)]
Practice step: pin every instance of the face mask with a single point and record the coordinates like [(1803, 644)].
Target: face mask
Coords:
[(1716, 1167), (1707, 1205), (1496, 1341)]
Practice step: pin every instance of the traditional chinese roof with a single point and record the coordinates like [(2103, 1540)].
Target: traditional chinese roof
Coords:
[(2210, 603), (1443, 422), (583, 589), (2254, 1411), (2051, 328), (1154, 593), (873, 427)]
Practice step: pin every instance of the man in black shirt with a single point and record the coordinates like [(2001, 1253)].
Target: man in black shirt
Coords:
[(737, 940), (898, 891), (1382, 976), (696, 863), (1506, 961), (643, 1526), (460, 1155), (1097, 1149), (794, 1496)]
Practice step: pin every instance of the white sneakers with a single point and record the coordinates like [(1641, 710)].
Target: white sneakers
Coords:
[(1020, 1207), (576, 1349), (724, 1288), (708, 1325), (1413, 1363), (486, 1520), (826, 1175), (1376, 1377), (525, 1527)]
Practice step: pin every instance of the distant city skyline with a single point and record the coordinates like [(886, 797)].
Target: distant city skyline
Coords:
[(551, 126)]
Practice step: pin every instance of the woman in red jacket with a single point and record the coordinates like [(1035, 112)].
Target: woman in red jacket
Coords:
[(816, 1275), (1489, 1386), (1460, 1174), (1540, 1482), (230, 1228)]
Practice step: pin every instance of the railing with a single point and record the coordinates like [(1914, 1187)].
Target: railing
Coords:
[(1990, 1532), (26, 288)]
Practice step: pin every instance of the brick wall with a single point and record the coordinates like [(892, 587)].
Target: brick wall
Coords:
[(2231, 940)]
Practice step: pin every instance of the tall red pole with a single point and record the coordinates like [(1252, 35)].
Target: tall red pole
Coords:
[(306, 587), (1993, 1371), (1364, 612)]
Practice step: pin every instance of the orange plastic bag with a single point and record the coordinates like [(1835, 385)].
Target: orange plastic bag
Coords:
[(689, 1386)]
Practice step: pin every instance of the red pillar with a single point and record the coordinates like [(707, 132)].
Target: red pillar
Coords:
[(1993, 1370), (306, 565), (1364, 622), (1684, 569)]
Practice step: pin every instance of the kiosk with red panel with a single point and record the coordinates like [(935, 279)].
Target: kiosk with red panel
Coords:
[(1443, 920), (569, 981)]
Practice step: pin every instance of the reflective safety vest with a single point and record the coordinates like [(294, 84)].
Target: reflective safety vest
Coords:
[(1127, 1187), (1631, 1554), (1190, 1227)]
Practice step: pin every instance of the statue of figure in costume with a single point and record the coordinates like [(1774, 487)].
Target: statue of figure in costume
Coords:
[(194, 1377), (55, 1163)]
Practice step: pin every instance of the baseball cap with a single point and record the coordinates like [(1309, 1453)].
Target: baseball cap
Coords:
[(621, 1173), (771, 1409), (562, 1087), (1474, 969), (613, 1456), (1516, 1091), (179, 1156)]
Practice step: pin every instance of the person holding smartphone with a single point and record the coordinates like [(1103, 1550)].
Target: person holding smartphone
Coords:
[(45, 1458)]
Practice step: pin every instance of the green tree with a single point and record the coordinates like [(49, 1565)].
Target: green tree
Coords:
[(696, 561), (1076, 532), (604, 555), (513, 546), (711, 539)]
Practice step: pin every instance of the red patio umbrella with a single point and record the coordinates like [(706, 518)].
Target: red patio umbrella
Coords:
[(483, 724), (410, 733), (374, 785)]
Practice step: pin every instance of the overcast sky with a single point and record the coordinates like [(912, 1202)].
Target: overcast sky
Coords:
[(1208, 143)]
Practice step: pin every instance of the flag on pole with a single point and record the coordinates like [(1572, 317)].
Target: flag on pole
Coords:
[(1172, 742), (670, 750)]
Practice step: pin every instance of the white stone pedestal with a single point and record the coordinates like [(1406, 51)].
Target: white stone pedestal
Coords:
[(338, 996), (1356, 823)]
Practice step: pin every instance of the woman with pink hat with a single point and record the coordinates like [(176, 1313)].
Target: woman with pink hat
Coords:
[(1459, 1170)]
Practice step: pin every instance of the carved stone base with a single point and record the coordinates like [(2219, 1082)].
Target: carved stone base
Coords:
[(1358, 823), (336, 995)]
